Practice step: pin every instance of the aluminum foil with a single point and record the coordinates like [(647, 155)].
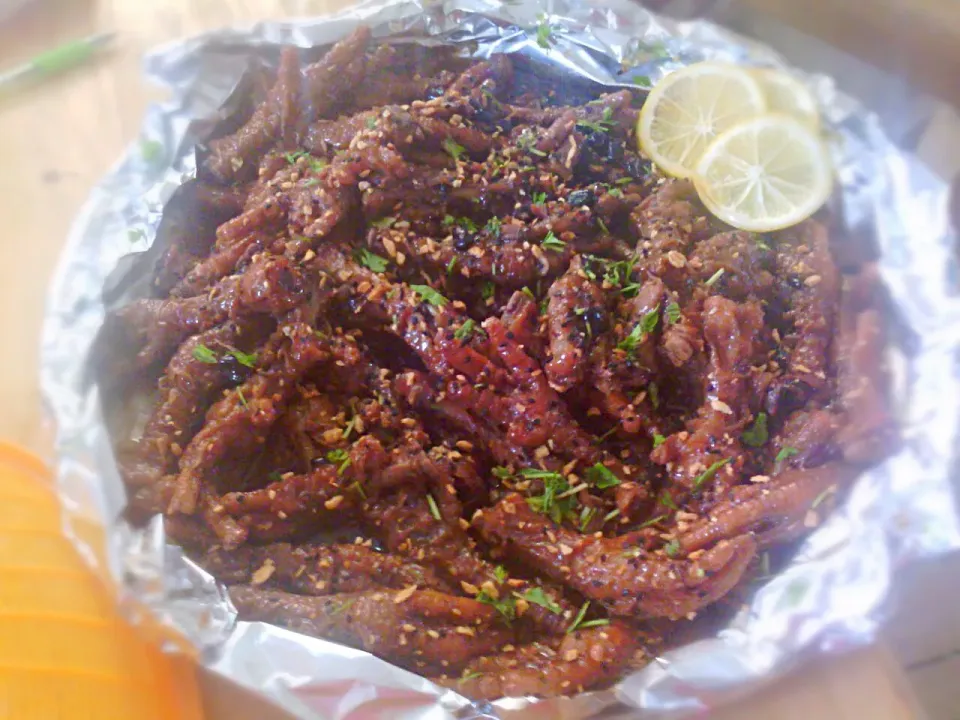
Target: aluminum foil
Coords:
[(830, 597)]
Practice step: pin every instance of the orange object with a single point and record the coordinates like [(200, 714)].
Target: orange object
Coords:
[(65, 653)]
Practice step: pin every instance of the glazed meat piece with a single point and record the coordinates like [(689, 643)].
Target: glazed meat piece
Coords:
[(418, 629), (318, 569), (616, 572), (456, 376), (583, 659), (275, 119)]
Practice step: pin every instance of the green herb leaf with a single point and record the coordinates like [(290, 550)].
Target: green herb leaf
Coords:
[(602, 477), (204, 354), (501, 472), (500, 573), (434, 510), (756, 435), (539, 198), (487, 290), (339, 457), (651, 521), (311, 182), (371, 122), (646, 326), (359, 488), (611, 515), (707, 474), (579, 624), (429, 295), (552, 242), (623, 181), (643, 81), (593, 623), (493, 226), (673, 313), (528, 292), (821, 497), (716, 276), (672, 548), (454, 150), (151, 151), (292, 157), (468, 328), (246, 359), (317, 164), (506, 606), (544, 33), (537, 596), (371, 260), (549, 503), (451, 266), (603, 225), (243, 400), (586, 515), (667, 501), (658, 440), (787, 452), (343, 606), (527, 142), (615, 192), (135, 235), (470, 676), (653, 392), (384, 222)]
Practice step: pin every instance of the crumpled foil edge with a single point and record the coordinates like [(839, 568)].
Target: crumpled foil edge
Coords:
[(831, 596)]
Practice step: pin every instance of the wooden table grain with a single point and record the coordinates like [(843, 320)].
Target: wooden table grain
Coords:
[(57, 139)]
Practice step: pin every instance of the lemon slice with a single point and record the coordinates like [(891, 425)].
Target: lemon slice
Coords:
[(785, 94), (690, 107), (767, 173)]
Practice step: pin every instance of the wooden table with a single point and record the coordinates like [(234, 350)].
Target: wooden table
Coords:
[(58, 139)]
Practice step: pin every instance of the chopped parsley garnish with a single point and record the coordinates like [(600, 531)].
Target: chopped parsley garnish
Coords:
[(647, 324), (487, 290), (623, 181), (464, 222), (667, 501), (539, 198), (312, 182), (204, 354), (383, 222), (294, 156), (528, 292), (756, 435), (787, 452), (151, 151), (707, 474), (549, 503), (500, 574), (716, 276), (451, 266), (586, 515), (618, 273), (246, 359), (552, 242), (527, 142), (653, 392), (466, 330), (429, 295), (371, 122), (470, 676), (658, 440), (317, 164), (506, 606), (611, 515), (434, 510), (544, 33), (493, 226), (343, 606), (350, 427), (652, 521), (603, 225), (673, 313), (243, 400), (579, 624), (537, 596), (821, 497), (454, 149), (372, 260), (136, 235), (602, 477), (359, 488), (643, 81), (501, 472), (615, 192), (598, 126), (340, 458), (672, 548)]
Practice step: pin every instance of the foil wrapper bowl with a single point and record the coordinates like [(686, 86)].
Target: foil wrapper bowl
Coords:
[(829, 597)]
